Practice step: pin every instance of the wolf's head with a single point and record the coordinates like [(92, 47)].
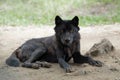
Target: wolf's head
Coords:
[(66, 30)]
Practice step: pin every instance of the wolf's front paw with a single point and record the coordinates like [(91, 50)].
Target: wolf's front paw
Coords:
[(95, 63), (68, 70)]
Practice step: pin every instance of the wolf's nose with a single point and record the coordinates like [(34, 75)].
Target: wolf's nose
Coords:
[(67, 40)]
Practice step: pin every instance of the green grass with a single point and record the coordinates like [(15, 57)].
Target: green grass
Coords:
[(43, 12)]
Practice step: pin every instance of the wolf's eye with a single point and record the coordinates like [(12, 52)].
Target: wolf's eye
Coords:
[(61, 31), (72, 31)]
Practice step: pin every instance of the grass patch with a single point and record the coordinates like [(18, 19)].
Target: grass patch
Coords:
[(37, 12)]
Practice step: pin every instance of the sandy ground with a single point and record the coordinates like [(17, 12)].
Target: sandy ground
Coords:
[(13, 37)]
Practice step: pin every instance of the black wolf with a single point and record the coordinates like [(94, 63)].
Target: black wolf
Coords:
[(61, 47)]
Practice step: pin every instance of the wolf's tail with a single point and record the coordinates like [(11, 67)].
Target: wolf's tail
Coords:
[(13, 60)]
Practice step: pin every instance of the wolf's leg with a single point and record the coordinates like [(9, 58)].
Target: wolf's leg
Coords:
[(78, 58), (62, 62), (35, 55), (64, 65)]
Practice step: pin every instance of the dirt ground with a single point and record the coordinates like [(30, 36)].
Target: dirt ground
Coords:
[(13, 37)]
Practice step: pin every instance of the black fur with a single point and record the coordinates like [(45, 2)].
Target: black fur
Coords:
[(61, 47)]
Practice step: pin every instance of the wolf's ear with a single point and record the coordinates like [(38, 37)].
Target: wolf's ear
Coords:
[(75, 21), (58, 20)]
